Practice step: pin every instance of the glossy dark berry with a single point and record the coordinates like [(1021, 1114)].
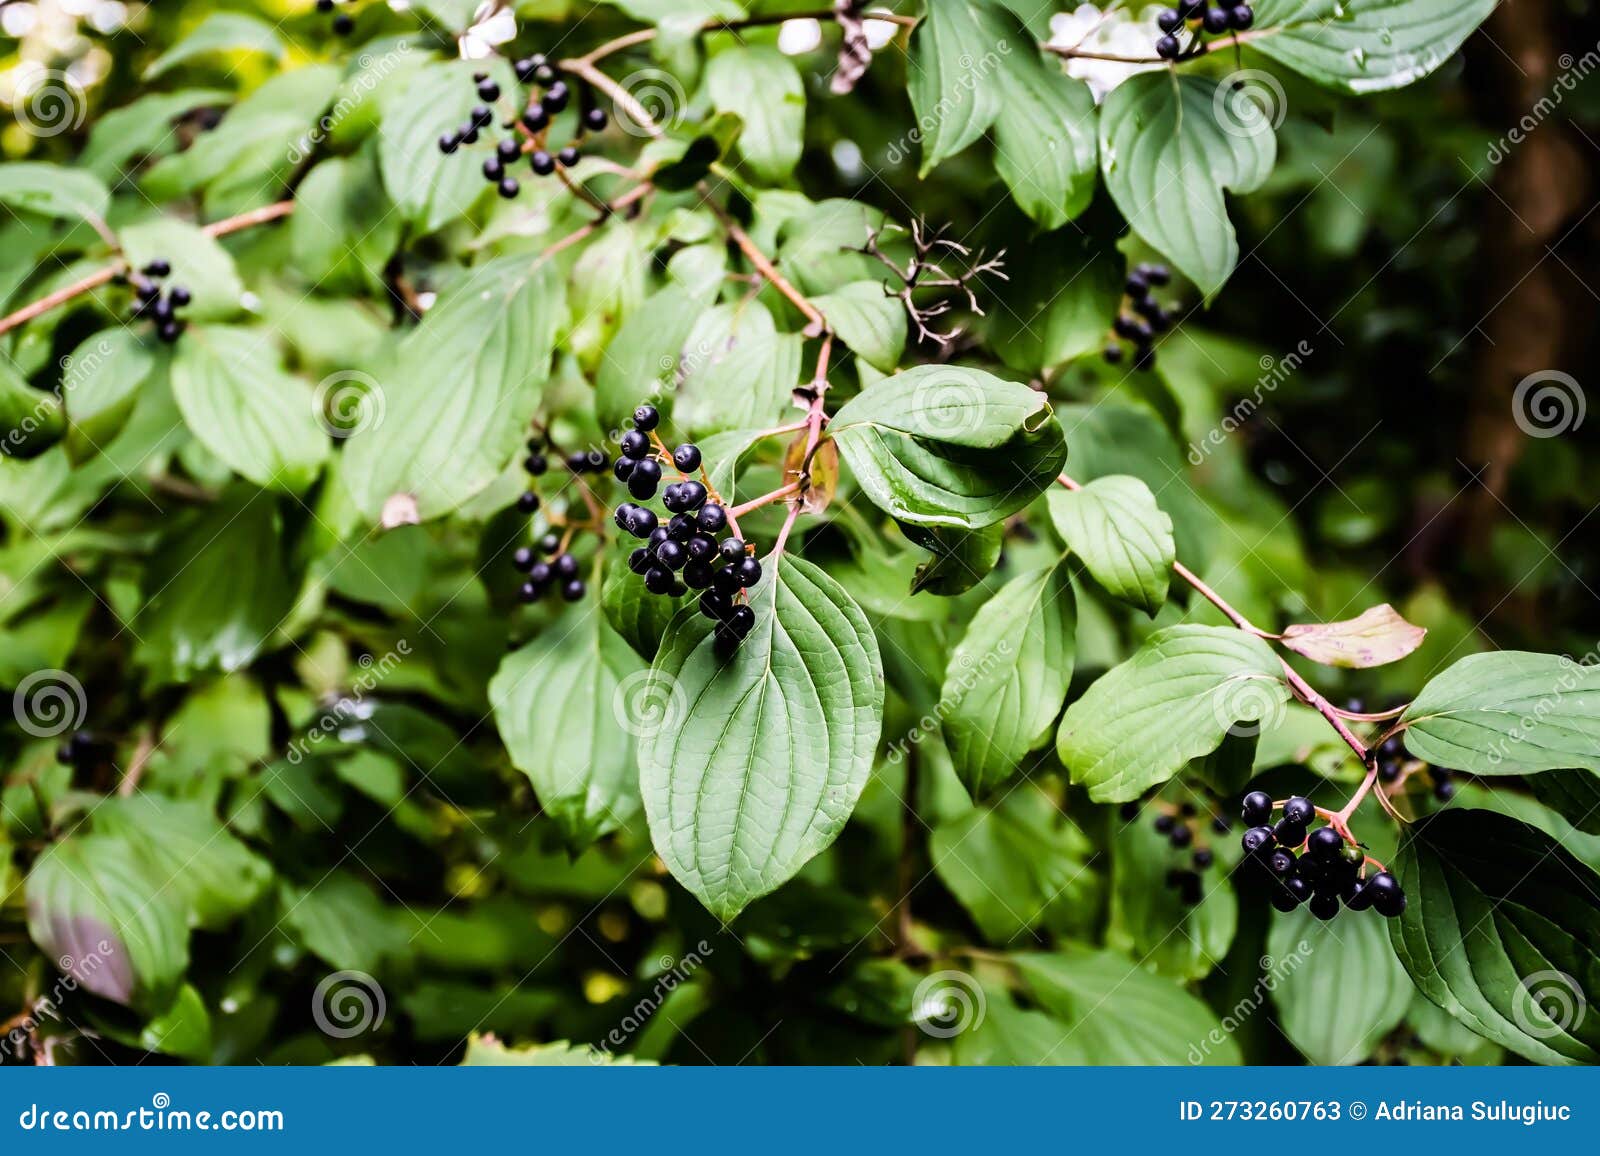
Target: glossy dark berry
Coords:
[(596, 461), (527, 501), (481, 116), (170, 331), (727, 581), (732, 550), (1164, 824), (1324, 843), (1112, 354), (1167, 47), (1220, 824), (544, 74), (672, 554), (1241, 17), (540, 573), (567, 157), (680, 528), (179, 296), (573, 589), (646, 418), (1388, 899), (741, 620), (1257, 839), (160, 267), (565, 566), (449, 142), (535, 119), (658, 580), (508, 150), (1168, 20), (687, 457), (1444, 791), (535, 463), (749, 572), (343, 25), (635, 444), (524, 67), (712, 518), (523, 558), (1281, 862), (555, 97), (715, 605), (1284, 899), (1324, 906), (697, 573), (622, 468), (702, 547), (646, 476), (1203, 858), (469, 134), (1257, 808), (489, 91), (542, 163), (145, 290), (493, 170), (1181, 837), (324, 5), (1299, 810), (594, 119), (1215, 21), (530, 592), (645, 523), (1289, 834), (639, 560), (508, 188)]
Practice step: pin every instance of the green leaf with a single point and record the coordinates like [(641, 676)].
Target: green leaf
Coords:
[(98, 909), (1016, 865), (735, 370), (220, 32), (217, 590), (762, 87), (998, 1033), (1509, 712), (641, 618), (199, 263), (100, 383), (142, 128), (1009, 676), (641, 361), (430, 188), (1124, 539), (1054, 305), (951, 89), (1364, 46), (182, 1030), (1184, 691), (944, 445), (1123, 1014), (961, 558), (1044, 135), (1574, 795), (31, 419), (870, 322), (238, 401), (344, 923), (1375, 637), (1149, 919), (568, 705), (343, 230), (488, 341), (1168, 155), (759, 758), (1347, 965), (213, 875), (1502, 930), (52, 190)]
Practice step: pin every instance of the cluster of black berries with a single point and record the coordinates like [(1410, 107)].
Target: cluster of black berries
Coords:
[(1140, 318), (151, 302), (343, 24), (1182, 829), (551, 98), (561, 570), (684, 554), (1201, 20), (1327, 870)]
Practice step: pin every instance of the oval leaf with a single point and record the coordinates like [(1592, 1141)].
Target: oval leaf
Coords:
[(1511, 712), (759, 759), (1184, 691), (943, 445), (1373, 638), (1365, 45), (1124, 539), (1348, 966), (1502, 930)]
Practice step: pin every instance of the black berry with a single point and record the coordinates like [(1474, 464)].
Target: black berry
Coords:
[(1257, 808)]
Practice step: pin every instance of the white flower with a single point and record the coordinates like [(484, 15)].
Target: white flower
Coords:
[(492, 25), (1115, 32)]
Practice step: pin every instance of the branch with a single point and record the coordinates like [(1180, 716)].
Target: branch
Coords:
[(99, 277), (645, 35)]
